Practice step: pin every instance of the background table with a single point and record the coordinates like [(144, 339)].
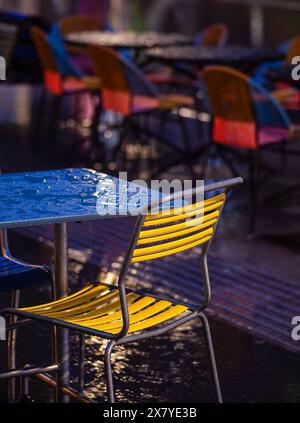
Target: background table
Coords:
[(126, 39), (58, 197), (231, 55)]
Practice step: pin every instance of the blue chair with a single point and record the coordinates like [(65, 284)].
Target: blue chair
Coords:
[(16, 275)]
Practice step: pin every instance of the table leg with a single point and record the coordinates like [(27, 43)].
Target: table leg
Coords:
[(61, 346)]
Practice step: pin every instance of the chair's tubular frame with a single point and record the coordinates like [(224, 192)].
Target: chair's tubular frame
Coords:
[(7, 254), (29, 371), (226, 185)]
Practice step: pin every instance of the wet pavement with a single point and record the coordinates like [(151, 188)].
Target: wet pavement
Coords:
[(172, 367)]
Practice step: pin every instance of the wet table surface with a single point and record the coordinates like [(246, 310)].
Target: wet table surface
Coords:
[(127, 39), (210, 55), (66, 195)]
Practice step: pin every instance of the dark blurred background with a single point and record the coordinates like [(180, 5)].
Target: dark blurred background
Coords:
[(267, 22)]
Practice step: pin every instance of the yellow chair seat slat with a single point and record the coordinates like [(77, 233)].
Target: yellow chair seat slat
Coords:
[(94, 312), (151, 317), (170, 252), (193, 228), (116, 322), (144, 311), (85, 307), (169, 245), (66, 302), (187, 215), (63, 302), (103, 310), (158, 319), (147, 313), (190, 207), (114, 313)]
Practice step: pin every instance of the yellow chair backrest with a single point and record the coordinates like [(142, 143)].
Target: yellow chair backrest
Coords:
[(182, 228)]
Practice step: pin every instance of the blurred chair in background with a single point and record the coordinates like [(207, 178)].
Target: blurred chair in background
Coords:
[(126, 92), (185, 76), (61, 78), (287, 93), (17, 276), (215, 35), (246, 120)]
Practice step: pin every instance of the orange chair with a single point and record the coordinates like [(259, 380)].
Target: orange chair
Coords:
[(126, 91), (246, 118), (215, 35), (55, 83)]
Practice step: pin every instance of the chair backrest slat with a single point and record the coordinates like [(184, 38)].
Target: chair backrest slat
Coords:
[(194, 225), (215, 35)]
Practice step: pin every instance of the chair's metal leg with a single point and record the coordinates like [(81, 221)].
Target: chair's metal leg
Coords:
[(108, 371), (124, 131), (54, 121), (95, 122), (52, 286), (253, 179), (227, 160), (283, 158), (188, 160), (185, 135), (38, 118), (81, 362), (12, 339), (24, 389), (211, 354)]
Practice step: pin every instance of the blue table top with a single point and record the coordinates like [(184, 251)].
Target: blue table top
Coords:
[(66, 195)]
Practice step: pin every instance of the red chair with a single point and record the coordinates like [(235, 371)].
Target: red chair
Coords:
[(55, 83), (126, 91), (246, 119), (215, 35)]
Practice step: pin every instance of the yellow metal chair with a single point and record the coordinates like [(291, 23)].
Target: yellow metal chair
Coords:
[(123, 315)]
